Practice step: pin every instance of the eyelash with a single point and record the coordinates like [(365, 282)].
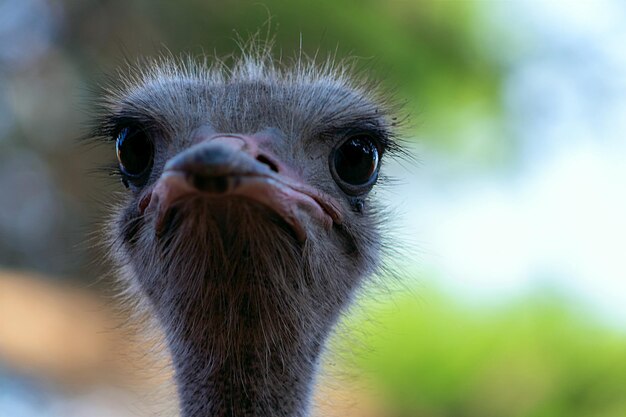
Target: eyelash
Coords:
[(381, 138)]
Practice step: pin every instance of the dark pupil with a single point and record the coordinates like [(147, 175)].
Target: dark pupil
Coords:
[(356, 161), (134, 152)]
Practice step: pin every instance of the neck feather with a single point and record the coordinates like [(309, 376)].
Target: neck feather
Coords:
[(246, 351), (246, 378)]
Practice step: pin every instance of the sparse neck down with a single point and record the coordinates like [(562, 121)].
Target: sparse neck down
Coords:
[(245, 387), (246, 354)]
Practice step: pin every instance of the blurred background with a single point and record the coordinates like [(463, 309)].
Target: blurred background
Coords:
[(513, 299)]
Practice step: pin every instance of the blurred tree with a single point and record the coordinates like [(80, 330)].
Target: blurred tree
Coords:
[(534, 358)]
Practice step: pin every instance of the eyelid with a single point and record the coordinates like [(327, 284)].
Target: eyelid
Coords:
[(116, 123), (380, 136), (379, 140)]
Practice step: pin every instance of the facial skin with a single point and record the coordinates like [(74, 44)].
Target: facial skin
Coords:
[(249, 221)]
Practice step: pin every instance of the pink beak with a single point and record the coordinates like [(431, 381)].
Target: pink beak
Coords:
[(223, 166)]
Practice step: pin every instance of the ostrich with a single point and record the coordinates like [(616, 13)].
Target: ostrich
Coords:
[(249, 221)]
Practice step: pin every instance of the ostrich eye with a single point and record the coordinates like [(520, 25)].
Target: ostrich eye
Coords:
[(134, 152), (355, 163)]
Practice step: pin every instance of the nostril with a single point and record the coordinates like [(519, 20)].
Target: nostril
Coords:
[(265, 160)]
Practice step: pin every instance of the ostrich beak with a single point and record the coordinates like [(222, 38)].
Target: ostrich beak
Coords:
[(234, 166)]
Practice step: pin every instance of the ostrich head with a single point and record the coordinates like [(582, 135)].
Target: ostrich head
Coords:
[(249, 221)]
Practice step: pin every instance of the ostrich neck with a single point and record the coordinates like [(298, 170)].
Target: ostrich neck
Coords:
[(241, 353), (244, 386)]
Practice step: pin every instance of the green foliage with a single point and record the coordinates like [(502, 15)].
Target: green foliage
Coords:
[(536, 358)]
